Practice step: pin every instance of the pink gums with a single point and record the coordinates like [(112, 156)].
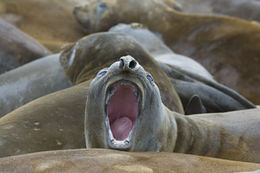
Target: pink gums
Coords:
[(122, 110)]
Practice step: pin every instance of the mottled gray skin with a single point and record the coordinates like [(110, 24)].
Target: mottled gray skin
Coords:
[(232, 135), (30, 81), (188, 76)]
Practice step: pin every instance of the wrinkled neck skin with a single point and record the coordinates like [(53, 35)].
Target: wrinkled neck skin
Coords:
[(157, 138), (232, 135), (194, 137)]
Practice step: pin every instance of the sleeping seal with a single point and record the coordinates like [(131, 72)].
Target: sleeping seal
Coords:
[(124, 111)]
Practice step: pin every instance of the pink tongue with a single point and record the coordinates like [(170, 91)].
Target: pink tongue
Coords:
[(122, 110), (121, 128)]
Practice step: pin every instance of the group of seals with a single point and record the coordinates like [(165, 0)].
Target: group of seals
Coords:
[(124, 111), (55, 121), (214, 41), (17, 48)]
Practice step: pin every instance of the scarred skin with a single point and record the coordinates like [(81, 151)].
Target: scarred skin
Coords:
[(232, 135), (227, 47)]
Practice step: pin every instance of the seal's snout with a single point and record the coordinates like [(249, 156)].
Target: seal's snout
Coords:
[(128, 63)]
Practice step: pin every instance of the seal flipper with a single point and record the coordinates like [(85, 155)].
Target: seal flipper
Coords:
[(195, 106)]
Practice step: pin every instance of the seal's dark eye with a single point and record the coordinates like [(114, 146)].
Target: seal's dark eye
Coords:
[(150, 78), (101, 73)]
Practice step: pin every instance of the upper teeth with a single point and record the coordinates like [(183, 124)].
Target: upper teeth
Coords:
[(110, 93)]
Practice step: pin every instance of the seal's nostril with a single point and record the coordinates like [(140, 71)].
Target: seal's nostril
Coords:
[(132, 64), (121, 65)]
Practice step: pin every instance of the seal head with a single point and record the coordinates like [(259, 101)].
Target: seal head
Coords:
[(123, 104)]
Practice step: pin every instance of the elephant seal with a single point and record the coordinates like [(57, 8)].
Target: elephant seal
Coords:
[(17, 48), (214, 41), (30, 81), (193, 83), (43, 19), (124, 111), (103, 160)]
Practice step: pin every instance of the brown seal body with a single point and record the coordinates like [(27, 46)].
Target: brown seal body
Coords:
[(227, 47), (17, 48), (124, 111), (101, 160), (50, 22), (52, 122)]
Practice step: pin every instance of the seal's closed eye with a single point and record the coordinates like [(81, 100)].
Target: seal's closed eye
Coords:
[(150, 78), (101, 72)]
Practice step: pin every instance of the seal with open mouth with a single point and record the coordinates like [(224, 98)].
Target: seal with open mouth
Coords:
[(121, 97), (124, 111)]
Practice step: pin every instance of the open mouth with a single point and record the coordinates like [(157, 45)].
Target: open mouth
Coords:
[(122, 108)]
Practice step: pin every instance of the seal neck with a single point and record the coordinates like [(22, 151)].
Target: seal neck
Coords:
[(216, 135), (194, 137)]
